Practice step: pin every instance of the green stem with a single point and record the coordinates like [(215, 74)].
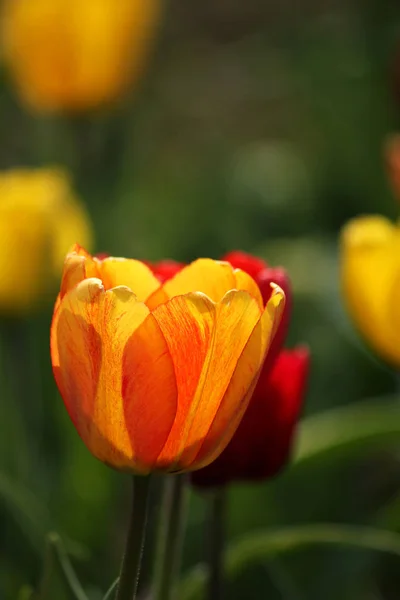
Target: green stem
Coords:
[(131, 562), (217, 507), (170, 536)]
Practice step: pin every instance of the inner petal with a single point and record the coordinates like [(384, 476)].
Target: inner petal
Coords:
[(131, 273)]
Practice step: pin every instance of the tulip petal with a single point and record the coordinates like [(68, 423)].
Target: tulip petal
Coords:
[(74, 272), (132, 273), (370, 274), (245, 282), (211, 277), (112, 271), (89, 332), (216, 344), (246, 262), (148, 376), (187, 324), (242, 383), (78, 265), (236, 318)]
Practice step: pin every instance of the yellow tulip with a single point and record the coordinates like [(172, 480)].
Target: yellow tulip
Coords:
[(370, 273), (157, 377), (39, 216), (76, 54)]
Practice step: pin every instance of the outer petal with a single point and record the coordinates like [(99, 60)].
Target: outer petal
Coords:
[(89, 333), (265, 280), (243, 382), (264, 276), (149, 391), (187, 324), (262, 442), (370, 273), (218, 349)]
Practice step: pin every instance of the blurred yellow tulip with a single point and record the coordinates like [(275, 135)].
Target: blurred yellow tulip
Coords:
[(39, 217), (370, 273), (72, 55)]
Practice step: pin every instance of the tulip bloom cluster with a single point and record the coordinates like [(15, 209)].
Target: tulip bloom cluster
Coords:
[(262, 442), (158, 376)]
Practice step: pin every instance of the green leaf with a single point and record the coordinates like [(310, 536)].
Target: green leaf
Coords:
[(331, 434), (349, 428), (32, 517), (110, 592), (56, 550), (266, 545)]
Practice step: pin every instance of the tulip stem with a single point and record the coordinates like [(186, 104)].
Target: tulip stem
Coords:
[(171, 532), (132, 559), (217, 524)]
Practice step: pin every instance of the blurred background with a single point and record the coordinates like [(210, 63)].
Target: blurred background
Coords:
[(250, 125)]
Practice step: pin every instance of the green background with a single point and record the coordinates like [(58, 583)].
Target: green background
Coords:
[(259, 126)]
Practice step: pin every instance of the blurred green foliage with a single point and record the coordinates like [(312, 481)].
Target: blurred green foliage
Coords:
[(259, 126)]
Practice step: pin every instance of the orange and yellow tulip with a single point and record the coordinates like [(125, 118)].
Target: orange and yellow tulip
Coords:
[(157, 377), (39, 217), (73, 55)]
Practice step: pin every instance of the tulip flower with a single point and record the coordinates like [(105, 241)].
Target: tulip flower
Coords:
[(73, 55), (158, 376), (39, 217), (370, 261), (262, 443)]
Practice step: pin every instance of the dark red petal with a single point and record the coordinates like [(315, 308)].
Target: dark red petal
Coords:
[(261, 445), (165, 269), (279, 276), (101, 255), (264, 276), (241, 260)]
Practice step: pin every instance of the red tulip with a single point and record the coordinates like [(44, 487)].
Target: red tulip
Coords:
[(261, 445)]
